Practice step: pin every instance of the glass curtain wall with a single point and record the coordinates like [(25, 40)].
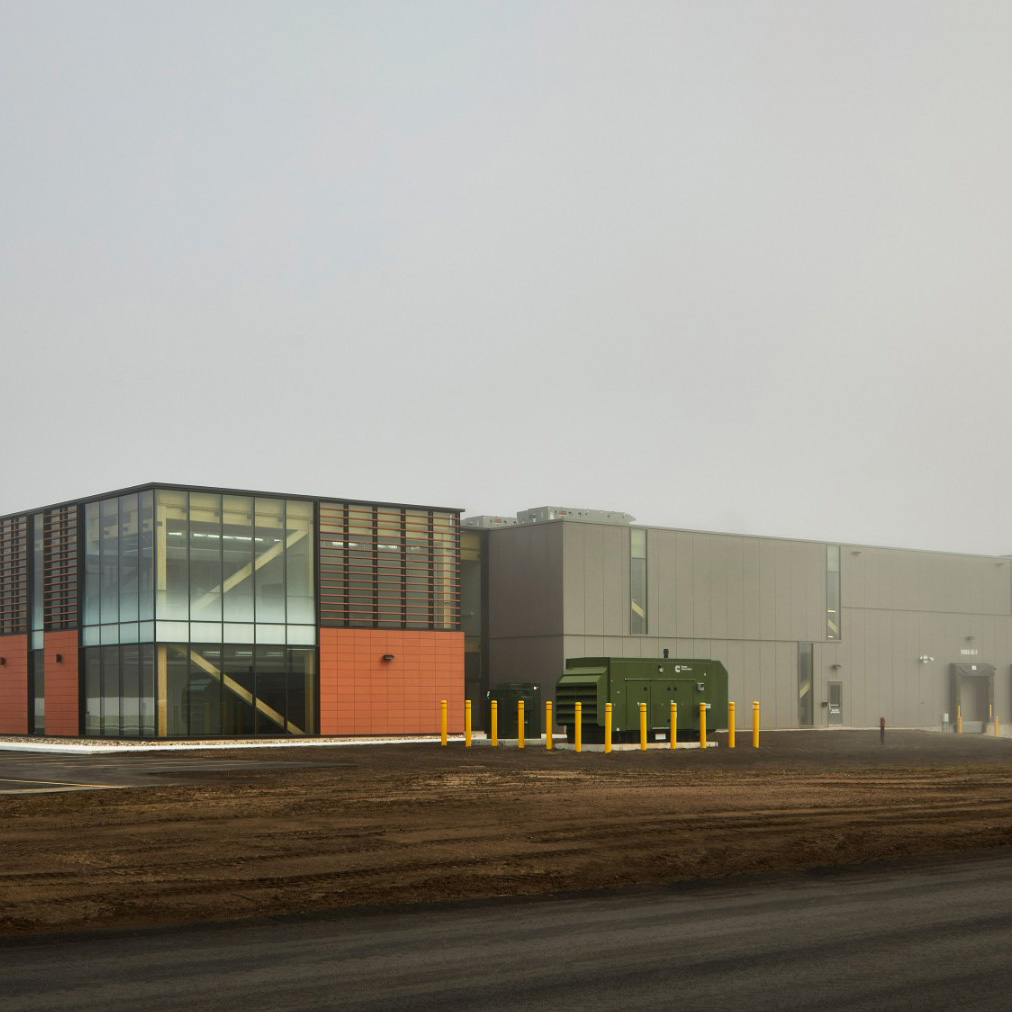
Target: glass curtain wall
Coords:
[(235, 606), (180, 586)]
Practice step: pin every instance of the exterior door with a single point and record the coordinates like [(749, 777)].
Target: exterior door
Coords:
[(835, 702)]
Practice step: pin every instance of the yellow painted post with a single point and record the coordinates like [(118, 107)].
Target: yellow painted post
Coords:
[(959, 720), (674, 724), (730, 725), (607, 727), (578, 729), (643, 727), (494, 721), (702, 725), (520, 723), (548, 725), (442, 722), (467, 723), (996, 725), (755, 724)]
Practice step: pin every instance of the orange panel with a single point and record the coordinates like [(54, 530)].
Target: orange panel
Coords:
[(360, 693), (14, 684), (62, 694)]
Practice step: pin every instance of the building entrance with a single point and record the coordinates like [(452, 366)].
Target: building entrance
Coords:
[(972, 696)]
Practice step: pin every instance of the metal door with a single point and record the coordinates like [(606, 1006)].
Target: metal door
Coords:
[(835, 702)]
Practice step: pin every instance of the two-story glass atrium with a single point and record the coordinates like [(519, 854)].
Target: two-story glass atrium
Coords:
[(169, 611)]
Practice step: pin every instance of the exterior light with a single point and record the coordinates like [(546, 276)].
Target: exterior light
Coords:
[(3, 660), (388, 657), (59, 658)]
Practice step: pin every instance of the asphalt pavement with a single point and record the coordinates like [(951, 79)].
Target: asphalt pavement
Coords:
[(35, 773), (925, 934)]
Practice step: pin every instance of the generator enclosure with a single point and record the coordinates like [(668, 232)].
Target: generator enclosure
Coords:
[(507, 696), (625, 682)]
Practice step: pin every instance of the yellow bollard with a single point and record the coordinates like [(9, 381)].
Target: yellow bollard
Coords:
[(702, 725), (996, 725), (607, 727), (674, 724), (442, 722), (643, 727), (494, 721), (755, 724), (578, 729), (467, 723), (730, 725), (548, 725), (520, 723), (959, 720)]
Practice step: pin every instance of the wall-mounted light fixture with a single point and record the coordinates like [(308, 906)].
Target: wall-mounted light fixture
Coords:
[(59, 658), (856, 551), (969, 639), (925, 659), (388, 657), (836, 667), (3, 660)]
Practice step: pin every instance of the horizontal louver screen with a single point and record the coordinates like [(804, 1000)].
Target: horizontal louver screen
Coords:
[(389, 568), (13, 575)]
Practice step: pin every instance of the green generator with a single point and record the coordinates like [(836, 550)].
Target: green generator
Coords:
[(625, 682)]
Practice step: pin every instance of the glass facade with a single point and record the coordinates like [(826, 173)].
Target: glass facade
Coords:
[(199, 615)]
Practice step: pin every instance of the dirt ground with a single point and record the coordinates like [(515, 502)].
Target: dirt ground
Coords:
[(409, 824)]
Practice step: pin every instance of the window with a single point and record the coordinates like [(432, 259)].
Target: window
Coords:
[(637, 582), (806, 712), (832, 592)]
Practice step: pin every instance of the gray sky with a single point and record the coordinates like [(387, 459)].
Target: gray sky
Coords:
[(723, 265)]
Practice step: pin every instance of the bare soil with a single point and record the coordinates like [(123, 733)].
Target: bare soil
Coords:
[(417, 823)]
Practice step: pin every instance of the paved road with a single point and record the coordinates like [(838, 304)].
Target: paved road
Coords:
[(932, 934), (31, 772)]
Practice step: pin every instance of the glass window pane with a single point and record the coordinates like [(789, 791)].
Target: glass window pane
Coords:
[(177, 697), (92, 564), (269, 578), (237, 558), (109, 549), (93, 692), (269, 633), (205, 557), (299, 561), (146, 698), (129, 559), (204, 691), (130, 668), (301, 691), (172, 632), (302, 634), (237, 685), (271, 682), (236, 633), (146, 556), (205, 632), (111, 692), (172, 592)]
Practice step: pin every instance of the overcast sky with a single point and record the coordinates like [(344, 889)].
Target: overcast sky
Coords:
[(739, 266)]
